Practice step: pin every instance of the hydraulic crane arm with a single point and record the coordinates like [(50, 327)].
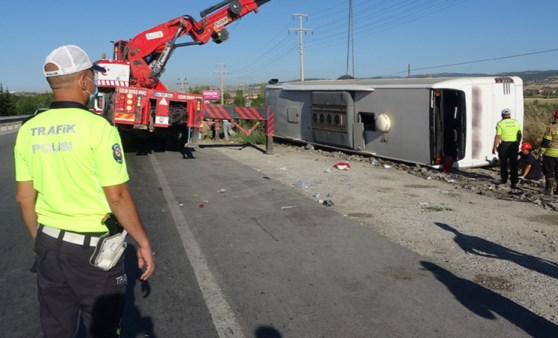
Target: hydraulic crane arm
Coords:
[(149, 51)]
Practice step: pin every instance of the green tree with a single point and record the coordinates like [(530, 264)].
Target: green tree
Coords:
[(3, 111), (27, 104), (6, 102), (239, 99), (198, 89), (258, 102), (227, 96)]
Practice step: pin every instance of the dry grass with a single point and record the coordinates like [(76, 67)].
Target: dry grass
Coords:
[(538, 114)]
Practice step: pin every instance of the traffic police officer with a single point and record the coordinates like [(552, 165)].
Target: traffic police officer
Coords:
[(549, 149), (506, 143), (70, 172)]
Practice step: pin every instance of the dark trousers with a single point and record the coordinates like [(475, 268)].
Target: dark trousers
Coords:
[(508, 157), (69, 286), (533, 175), (550, 167)]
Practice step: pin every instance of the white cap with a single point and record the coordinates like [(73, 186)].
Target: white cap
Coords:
[(506, 111), (69, 59)]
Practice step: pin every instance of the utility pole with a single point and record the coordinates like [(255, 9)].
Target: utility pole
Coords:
[(221, 72), (350, 40), (301, 30)]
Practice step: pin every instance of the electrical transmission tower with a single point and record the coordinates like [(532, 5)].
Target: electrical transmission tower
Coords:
[(301, 30)]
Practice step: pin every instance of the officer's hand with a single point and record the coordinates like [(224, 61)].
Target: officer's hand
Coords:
[(146, 261)]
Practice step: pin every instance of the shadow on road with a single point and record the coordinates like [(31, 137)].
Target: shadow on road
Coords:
[(487, 303), (188, 152), (233, 145), (266, 331), (482, 247), (133, 323)]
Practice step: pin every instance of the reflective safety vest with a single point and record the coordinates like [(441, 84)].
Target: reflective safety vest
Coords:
[(550, 141), (70, 154), (508, 130)]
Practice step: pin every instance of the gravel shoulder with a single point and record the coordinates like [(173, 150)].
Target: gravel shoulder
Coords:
[(505, 241)]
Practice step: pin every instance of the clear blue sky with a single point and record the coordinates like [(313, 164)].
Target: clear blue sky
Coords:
[(388, 35)]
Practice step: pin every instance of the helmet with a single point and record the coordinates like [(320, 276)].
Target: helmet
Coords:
[(526, 146), (506, 111)]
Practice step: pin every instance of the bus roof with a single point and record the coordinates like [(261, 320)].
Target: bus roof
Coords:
[(371, 84)]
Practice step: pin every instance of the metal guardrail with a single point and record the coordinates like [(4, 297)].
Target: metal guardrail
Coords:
[(8, 123)]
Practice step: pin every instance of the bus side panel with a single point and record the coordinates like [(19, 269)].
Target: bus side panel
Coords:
[(292, 113), (409, 111), (333, 118)]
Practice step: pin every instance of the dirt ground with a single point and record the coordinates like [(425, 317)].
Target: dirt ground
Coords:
[(501, 239)]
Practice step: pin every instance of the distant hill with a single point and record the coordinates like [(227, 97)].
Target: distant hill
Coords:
[(529, 77), (538, 76)]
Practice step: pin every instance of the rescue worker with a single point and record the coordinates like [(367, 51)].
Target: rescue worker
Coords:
[(70, 172), (506, 143), (549, 149), (531, 168)]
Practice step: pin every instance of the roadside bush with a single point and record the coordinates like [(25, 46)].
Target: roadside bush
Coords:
[(538, 114), (257, 136), (27, 104)]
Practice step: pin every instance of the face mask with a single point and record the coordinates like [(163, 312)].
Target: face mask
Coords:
[(93, 95)]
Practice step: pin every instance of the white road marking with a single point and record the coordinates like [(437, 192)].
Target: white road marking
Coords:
[(223, 317)]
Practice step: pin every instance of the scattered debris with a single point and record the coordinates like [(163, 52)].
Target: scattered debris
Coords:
[(302, 184), (483, 181), (342, 166), (327, 203), (436, 208)]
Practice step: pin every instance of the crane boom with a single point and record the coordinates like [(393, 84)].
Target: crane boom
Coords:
[(149, 51)]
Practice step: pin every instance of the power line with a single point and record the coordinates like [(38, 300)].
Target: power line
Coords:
[(371, 17), (483, 60), (374, 17)]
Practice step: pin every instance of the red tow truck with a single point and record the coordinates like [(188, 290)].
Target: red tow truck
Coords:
[(131, 93)]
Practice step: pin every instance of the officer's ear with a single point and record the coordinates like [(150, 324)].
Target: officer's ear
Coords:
[(82, 80)]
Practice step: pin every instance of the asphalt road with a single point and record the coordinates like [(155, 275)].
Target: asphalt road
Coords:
[(240, 255)]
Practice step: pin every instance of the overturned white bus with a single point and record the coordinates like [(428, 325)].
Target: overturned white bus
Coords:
[(415, 120)]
